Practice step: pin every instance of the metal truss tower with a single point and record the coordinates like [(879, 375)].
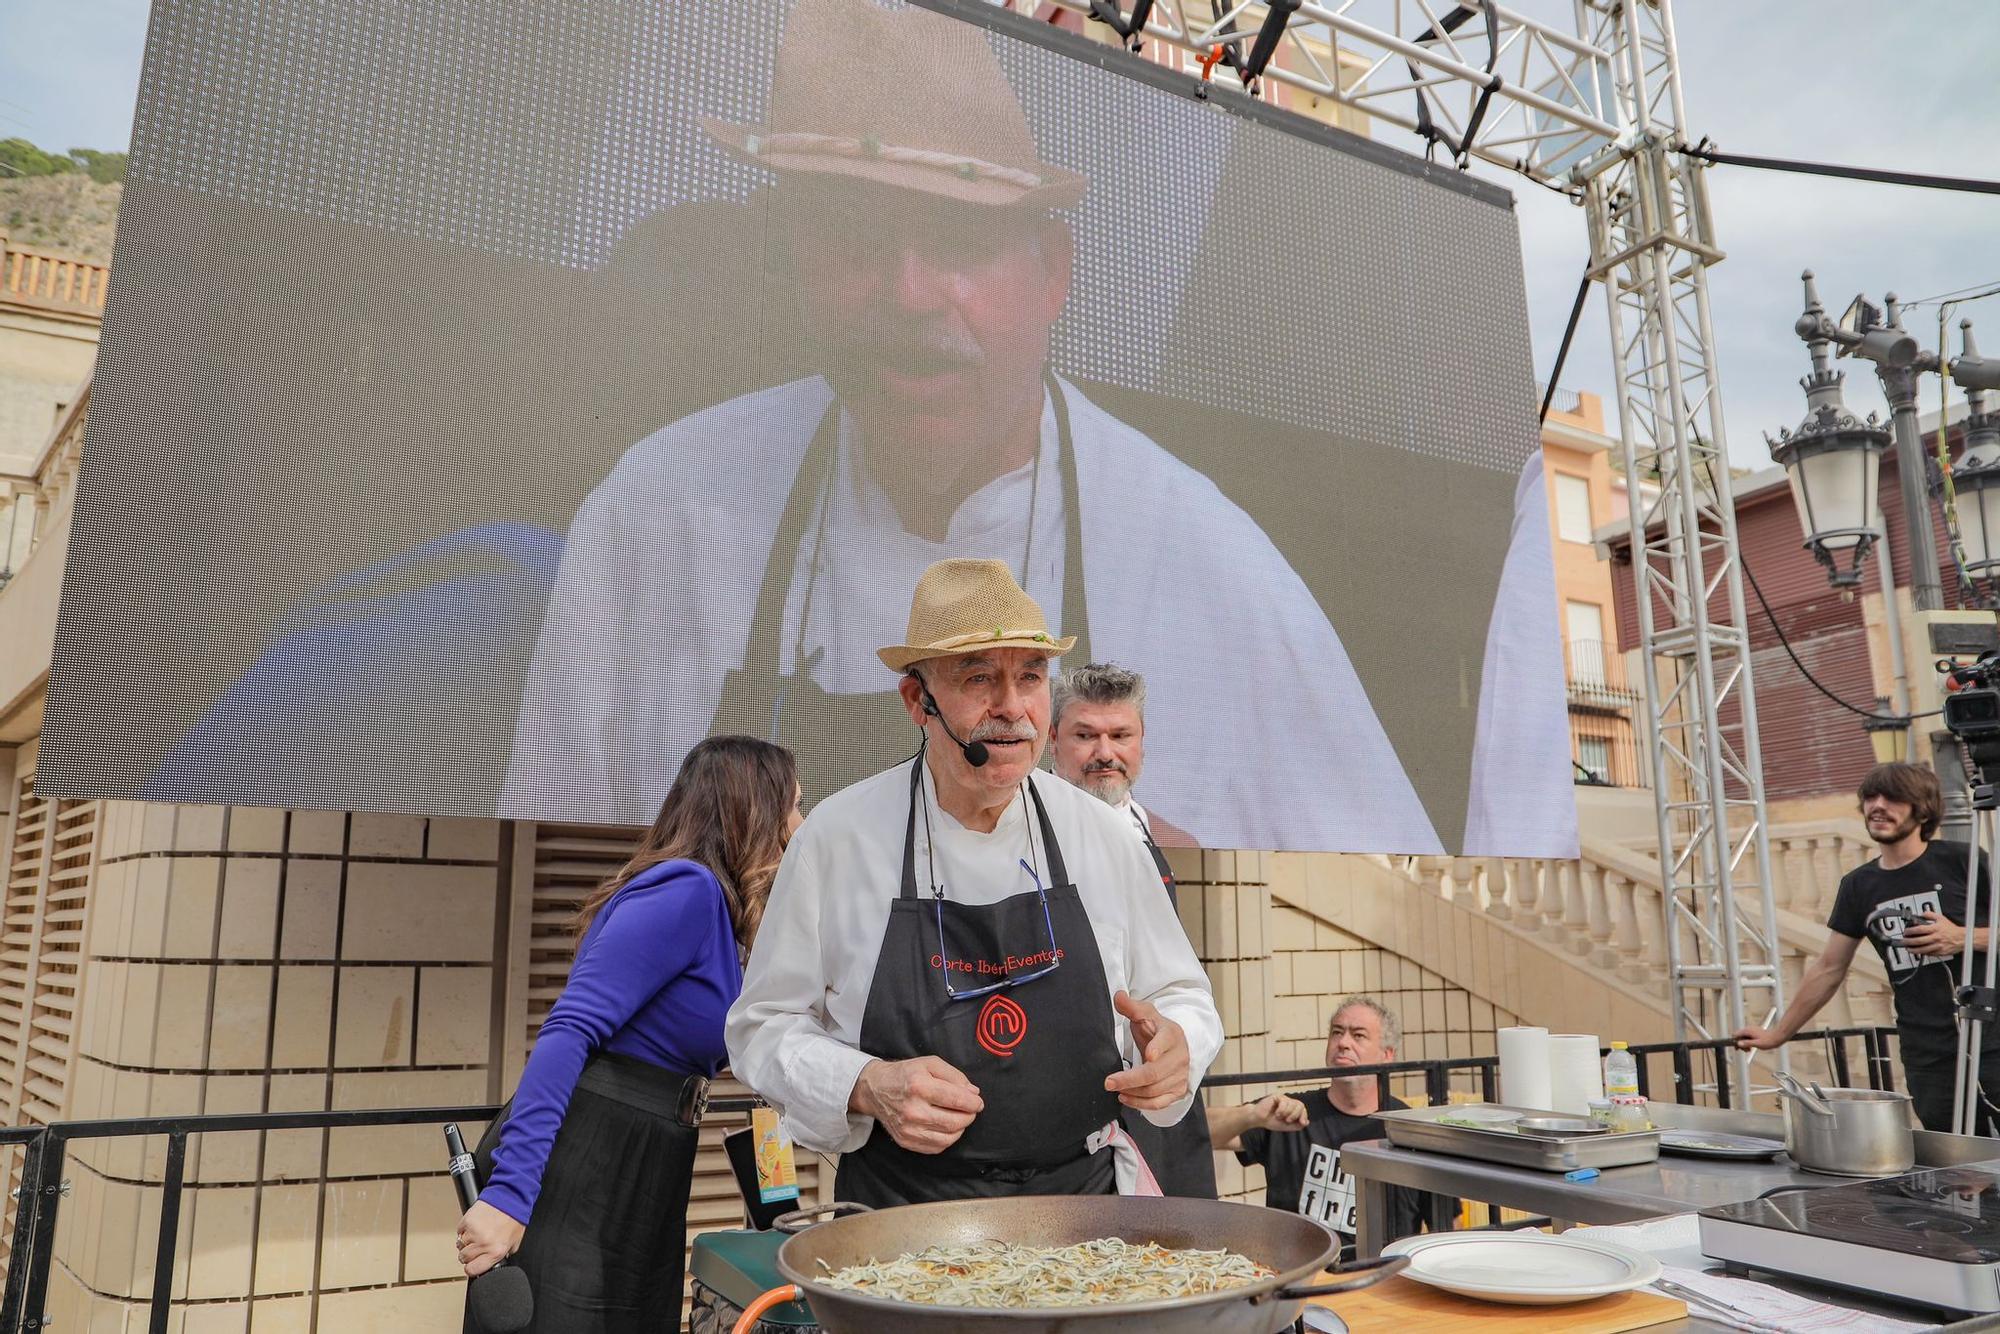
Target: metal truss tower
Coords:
[(1593, 110), (1651, 243)]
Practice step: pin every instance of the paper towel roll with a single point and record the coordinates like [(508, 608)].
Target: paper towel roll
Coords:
[(1524, 1068), (1575, 1076)]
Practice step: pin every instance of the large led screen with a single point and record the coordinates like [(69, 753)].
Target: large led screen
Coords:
[(498, 396)]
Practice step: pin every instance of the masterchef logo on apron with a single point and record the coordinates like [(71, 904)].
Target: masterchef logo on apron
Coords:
[(1002, 1024)]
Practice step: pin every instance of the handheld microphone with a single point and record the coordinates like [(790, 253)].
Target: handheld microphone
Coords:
[(975, 752), (500, 1299), (461, 1167)]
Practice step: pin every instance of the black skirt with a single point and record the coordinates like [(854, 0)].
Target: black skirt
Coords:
[(605, 1249)]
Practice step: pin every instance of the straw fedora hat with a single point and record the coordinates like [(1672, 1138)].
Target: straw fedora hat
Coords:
[(903, 98), (963, 606)]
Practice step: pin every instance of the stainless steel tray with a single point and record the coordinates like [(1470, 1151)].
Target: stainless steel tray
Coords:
[(1419, 1128)]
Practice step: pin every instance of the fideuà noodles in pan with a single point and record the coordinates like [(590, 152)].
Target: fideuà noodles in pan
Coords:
[(1092, 1273)]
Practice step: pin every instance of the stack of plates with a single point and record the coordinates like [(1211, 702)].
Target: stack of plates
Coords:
[(1712, 1144), (1524, 1268)]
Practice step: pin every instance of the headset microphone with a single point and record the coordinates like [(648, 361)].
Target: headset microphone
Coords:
[(975, 752)]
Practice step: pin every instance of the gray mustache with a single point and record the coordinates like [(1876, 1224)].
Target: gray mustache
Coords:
[(920, 347), (998, 731)]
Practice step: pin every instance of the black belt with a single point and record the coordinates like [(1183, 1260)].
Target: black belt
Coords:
[(648, 1087)]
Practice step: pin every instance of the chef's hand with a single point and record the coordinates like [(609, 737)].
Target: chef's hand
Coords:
[(1759, 1039), (1934, 936), (486, 1236), (925, 1104), (1280, 1111), (1162, 1079)]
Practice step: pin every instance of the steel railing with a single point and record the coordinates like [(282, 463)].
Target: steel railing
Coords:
[(23, 1305)]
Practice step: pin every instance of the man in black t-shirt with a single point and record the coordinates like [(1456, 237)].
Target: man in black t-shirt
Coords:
[(1910, 903), (1297, 1140)]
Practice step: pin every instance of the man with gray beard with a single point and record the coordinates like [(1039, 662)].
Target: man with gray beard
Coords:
[(1097, 732)]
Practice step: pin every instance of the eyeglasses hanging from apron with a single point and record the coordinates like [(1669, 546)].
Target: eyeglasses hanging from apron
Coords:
[(1038, 1041)]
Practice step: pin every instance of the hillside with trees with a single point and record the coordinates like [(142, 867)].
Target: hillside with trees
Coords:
[(66, 202)]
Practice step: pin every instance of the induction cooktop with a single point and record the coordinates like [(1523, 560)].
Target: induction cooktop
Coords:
[(1931, 1237)]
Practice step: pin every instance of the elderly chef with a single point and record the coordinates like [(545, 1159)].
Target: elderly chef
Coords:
[(964, 969)]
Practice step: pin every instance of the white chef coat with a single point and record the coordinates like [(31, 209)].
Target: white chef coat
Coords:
[(664, 561), (794, 1034), (1522, 798)]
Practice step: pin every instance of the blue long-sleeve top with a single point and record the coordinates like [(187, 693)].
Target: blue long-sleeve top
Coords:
[(654, 976)]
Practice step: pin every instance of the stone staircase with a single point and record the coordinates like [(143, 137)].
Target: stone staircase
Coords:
[(1578, 946)]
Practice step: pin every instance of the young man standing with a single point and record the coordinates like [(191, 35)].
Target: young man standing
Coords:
[(1909, 901)]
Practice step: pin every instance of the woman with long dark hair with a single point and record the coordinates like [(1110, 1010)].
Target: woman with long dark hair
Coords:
[(592, 1163)]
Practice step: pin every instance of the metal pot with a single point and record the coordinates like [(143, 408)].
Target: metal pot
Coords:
[(1848, 1132), (1296, 1248)]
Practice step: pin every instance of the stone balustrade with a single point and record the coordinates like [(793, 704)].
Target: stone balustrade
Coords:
[(27, 500), (1605, 908), (50, 281)]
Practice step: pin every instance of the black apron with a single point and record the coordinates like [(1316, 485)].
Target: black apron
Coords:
[(604, 1250), (790, 708), (1182, 1159), (1159, 862), (1039, 1052)]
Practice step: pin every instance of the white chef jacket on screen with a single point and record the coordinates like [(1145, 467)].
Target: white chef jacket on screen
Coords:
[(794, 1034), (1274, 742), (1522, 798)]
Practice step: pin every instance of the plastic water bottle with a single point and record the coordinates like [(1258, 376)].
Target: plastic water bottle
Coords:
[(1621, 1073), (1621, 1086)]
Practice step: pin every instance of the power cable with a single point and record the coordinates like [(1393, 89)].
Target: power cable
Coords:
[(1976, 292), (1786, 644), (1562, 352), (1920, 180)]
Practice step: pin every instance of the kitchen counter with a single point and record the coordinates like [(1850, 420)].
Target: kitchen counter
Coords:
[(1673, 1185)]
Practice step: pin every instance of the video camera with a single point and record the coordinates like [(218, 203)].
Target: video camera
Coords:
[(1972, 713)]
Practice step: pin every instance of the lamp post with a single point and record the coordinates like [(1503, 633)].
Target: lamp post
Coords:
[(1976, 478), (1898, 359), (1834, 462), (1861, 332)]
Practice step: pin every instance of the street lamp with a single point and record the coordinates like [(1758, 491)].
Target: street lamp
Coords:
[(1976, 476), (1834, 463)]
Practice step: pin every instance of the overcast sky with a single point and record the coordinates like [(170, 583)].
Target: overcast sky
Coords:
[(1906, 87), (1857, 82)]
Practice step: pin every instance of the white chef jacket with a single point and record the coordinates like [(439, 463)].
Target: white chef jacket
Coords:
[(664, 561), (794, 1034), (1522, 799)]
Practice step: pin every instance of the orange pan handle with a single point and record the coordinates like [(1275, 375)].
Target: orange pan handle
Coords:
[(755, 1310)]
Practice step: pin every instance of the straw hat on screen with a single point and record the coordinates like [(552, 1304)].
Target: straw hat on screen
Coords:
[(969, 606), (900, 97)]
